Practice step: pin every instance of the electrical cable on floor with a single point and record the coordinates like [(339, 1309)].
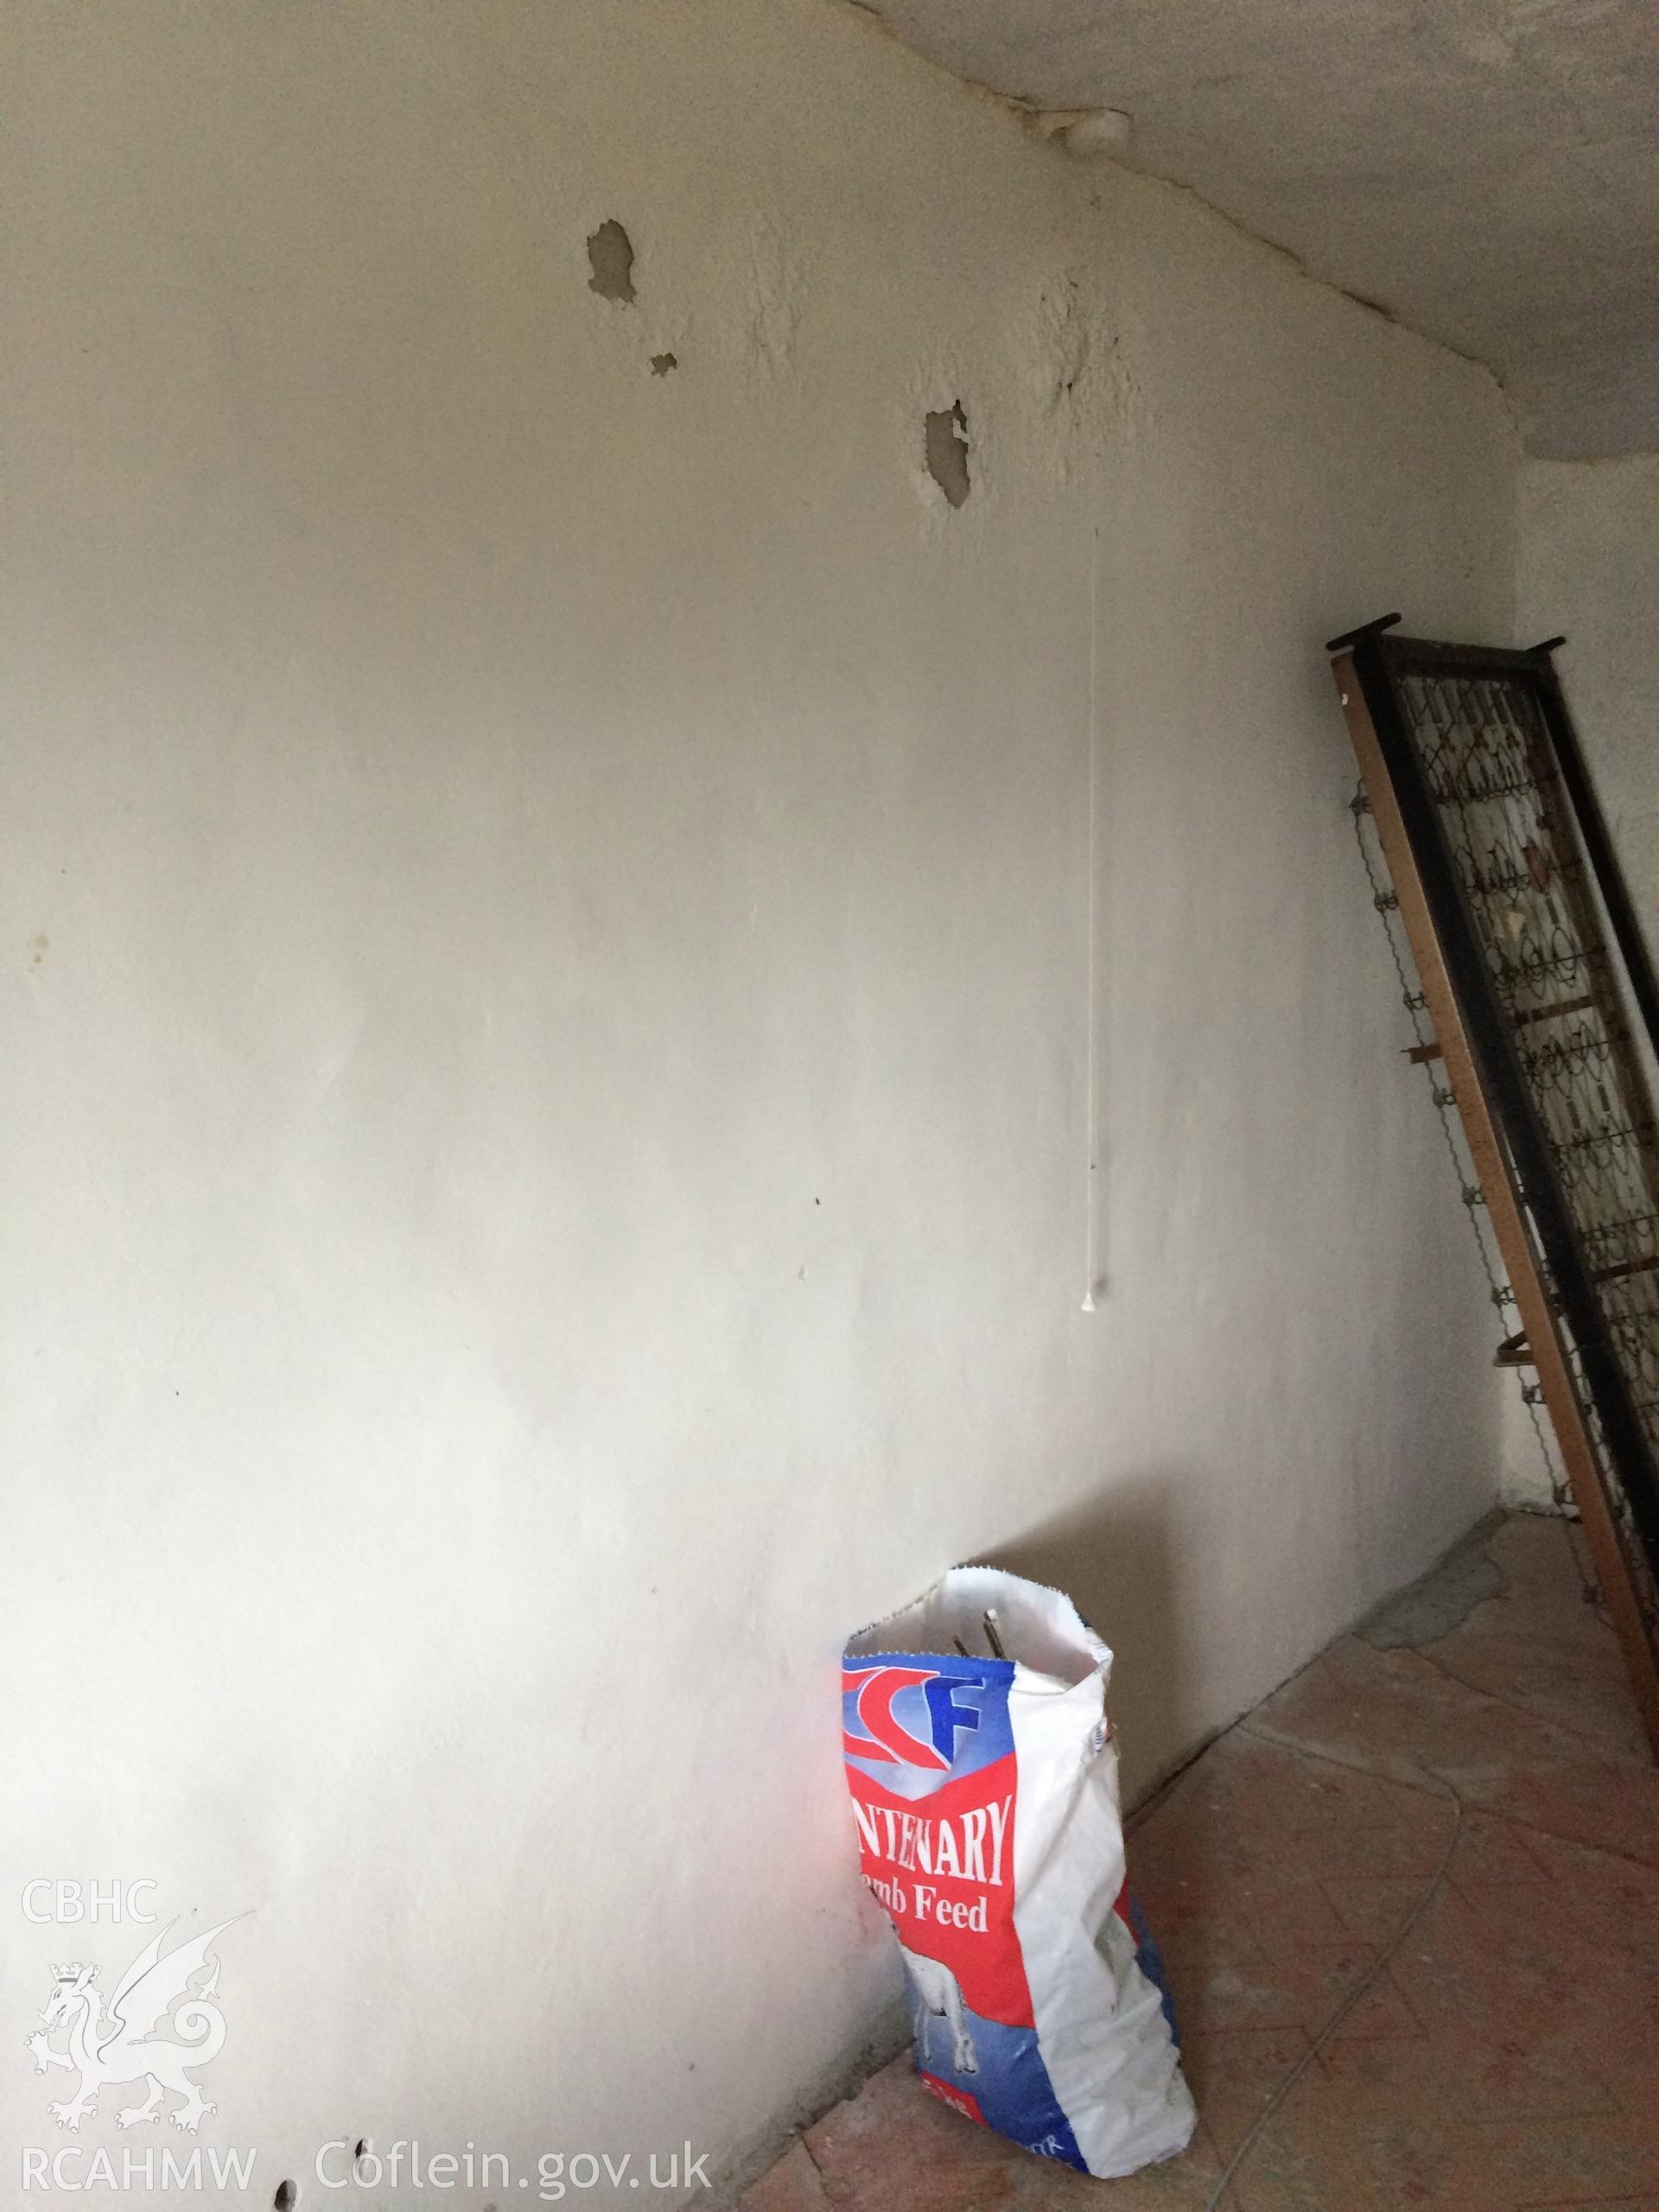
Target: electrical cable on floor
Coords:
[(1362, 1988)]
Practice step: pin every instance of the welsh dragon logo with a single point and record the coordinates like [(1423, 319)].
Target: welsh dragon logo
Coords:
[(122, 2045)]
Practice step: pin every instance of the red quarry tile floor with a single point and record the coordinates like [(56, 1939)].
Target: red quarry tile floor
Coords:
[(1474, 1738)]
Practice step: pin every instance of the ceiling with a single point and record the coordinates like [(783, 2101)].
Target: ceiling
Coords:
[(1487, 171)]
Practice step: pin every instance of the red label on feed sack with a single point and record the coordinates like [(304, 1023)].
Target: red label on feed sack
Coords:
[(958, 2099), (943, 1866)]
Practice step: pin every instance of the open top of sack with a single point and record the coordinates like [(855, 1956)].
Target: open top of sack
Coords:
[(972, 1610)]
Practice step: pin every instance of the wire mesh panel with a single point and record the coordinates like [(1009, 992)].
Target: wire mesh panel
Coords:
[(1487, 760), (1529, 953)]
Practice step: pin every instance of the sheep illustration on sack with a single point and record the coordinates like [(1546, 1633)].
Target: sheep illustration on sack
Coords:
[(936, 1995)]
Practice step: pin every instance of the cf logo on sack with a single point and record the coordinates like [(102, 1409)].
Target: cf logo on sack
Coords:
[(939, 1708)]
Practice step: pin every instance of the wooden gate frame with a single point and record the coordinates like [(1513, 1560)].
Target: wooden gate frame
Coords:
[(1403, 812)]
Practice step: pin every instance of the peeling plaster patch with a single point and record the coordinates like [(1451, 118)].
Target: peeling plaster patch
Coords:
[(945, 448), (1065, 360), (610, 258), (775, 285), (1059, 355), (662, 364)]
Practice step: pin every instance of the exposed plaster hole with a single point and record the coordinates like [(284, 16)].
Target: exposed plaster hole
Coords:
[(362, 2150), (287, 2197), (661, 362), (610, 257), (947, 451)]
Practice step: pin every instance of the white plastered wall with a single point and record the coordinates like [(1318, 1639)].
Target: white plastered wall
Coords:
[(1587, 568), (547, 1107)]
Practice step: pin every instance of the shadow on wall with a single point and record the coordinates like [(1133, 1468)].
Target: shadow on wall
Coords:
[(1114, 1557)]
